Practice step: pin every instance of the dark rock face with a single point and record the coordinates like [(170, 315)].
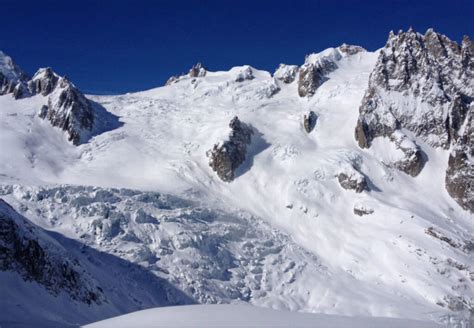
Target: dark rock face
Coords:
[(197, 70), (67, 107), (460, 173), (22, 250), (435, 76), (355, 181), (361, 211), (310, 78), (424, 84), (225, 158), (43, 82), (309, 121)]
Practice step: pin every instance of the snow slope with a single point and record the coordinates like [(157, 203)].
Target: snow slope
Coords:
[(246, 316), (383, 264)]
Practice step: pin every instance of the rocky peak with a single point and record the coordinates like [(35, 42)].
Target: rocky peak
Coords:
[(423, 84), (225, 157), (197, 70), (44, 81), (427, 71), (67, 107)]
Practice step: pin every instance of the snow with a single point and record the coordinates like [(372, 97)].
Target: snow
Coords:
[(9, 69), (382, 264), (245, 316)]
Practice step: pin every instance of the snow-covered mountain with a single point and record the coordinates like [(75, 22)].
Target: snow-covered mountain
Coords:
[(343, 185)]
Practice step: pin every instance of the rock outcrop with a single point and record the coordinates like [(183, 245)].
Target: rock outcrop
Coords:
[(245, 74), (412, 162), (67, 107), (197, 70), (349, 49), (12, 78), (460, 173), (43, 82), (286, 73), (317, 66), (309, 79), (423, 84), (36, 257), (227, 156), (352, 180), (309, 121), (362, 210)]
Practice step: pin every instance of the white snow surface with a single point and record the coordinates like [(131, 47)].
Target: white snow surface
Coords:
[(246, 316), (9, 69), (383, 264)]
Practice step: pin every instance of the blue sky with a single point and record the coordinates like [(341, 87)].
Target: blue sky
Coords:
[(123, 46)]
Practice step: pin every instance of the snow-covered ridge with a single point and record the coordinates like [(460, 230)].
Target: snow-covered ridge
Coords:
[(10, 70)]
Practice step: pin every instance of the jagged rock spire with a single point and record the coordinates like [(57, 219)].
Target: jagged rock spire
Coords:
[(435, 77)]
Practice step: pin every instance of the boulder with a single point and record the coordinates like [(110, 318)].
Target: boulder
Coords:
[(352, 181), (227, 156), (309, 121)]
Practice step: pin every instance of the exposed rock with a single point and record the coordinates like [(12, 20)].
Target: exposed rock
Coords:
[(67, 107), (43, 82), (438, 235), (313, 72), (24, 249), (309, 121), (413, 161), (12, 78), (352, 181), (361, 210), (460, 172), (424, 84), (350, 49), (310, 78), (432, 73), (286, 73), (197, 71), (245, 74), (226, 157)]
